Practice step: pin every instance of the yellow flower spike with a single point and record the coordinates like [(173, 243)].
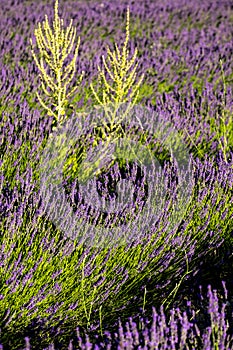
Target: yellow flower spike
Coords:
[(55, 44), (120, 87), (118, 65)]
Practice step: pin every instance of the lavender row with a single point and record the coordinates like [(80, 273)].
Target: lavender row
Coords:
[(178, 330)]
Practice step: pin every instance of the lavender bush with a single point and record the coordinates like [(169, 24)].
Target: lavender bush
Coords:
[(52, 285), (180, 331)]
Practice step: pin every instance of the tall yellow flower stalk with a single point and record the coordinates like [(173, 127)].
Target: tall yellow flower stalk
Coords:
[(55, 44), (121, 90), (117, 92)]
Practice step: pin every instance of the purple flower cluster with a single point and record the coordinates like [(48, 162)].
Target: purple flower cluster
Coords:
[(50, 284), (179, 330)]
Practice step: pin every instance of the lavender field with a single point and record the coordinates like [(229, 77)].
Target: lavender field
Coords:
[(124, 250)]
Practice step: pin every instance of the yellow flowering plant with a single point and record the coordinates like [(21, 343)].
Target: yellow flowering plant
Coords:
[(55, 44), (120, 91)]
